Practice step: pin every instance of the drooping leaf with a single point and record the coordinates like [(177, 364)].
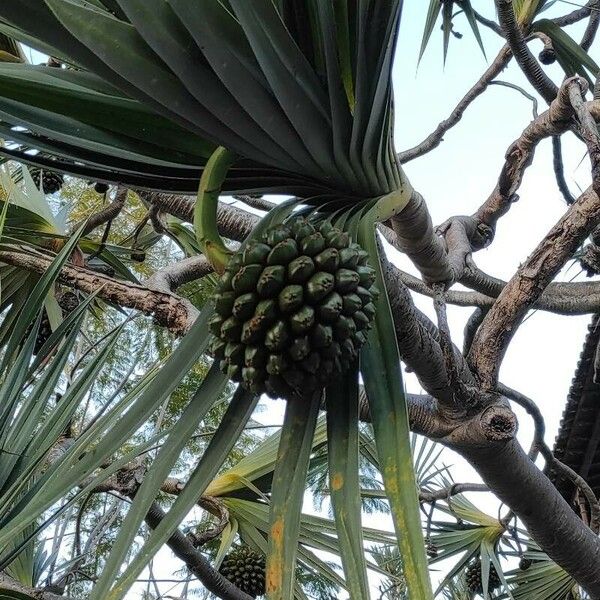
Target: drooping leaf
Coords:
[(287, 494), (570, 55), (343, 443), (380, 367)]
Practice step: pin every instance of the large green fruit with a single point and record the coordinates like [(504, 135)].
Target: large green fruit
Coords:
[(246, 570), (293, 309)]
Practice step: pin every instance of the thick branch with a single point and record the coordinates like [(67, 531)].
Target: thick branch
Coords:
[(7, 583), (167, 280), (418, 342), (168, 310), (415, 237), (517, 482), (108, 213), (578, 298), (592, 27), (555, 121), (257, 202), (230, 219), (502, 321), (452, 490), (576, 15)]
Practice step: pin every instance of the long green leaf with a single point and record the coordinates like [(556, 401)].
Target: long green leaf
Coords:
[(342, 438), (435, 6), (380, 367), (206, 395), (287, 494), (36, 298), (237, 415)]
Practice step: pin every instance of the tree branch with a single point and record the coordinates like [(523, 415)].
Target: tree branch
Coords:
[(451, 490), (167, 309), (434, 139), (559, 172), (578, 298), (107, 213), (526, 286), (195, 561), (230, 219), (576, 15), (555, 121), (592, 27), (418, 342), (553, 524), (7, 583)]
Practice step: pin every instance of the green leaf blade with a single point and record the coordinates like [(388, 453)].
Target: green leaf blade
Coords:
[(380, 367), (287, 494), (343, 450)]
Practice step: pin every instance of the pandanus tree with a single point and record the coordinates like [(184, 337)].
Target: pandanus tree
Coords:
[(294, 97)]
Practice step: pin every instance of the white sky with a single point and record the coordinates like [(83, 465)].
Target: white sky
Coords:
[(456, 178)]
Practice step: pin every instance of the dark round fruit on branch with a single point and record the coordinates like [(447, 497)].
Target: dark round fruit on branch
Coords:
[(244, 306), (312, 244), (525, 563), (138, 256), (547, 56), (431, 548), (291, 298), (328, 260), (255, 252), (303, 320), (271, 281), (224, 302), (331, 307), (245, 569), (277, 234), (319, 286), (255, 356), (300, 269), (101, 188), (293, 309), (246, 279), (283, 253)]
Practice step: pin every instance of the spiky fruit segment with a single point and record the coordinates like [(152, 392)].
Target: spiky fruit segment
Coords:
[(51, 182), (547, 56), (299, 303), (246, 570), (474, 579)]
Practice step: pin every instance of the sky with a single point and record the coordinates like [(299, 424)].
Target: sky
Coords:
[(456, 178)]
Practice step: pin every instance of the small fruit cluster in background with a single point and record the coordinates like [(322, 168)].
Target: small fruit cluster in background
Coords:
[(50, 181), (475, 580), (246, 570)]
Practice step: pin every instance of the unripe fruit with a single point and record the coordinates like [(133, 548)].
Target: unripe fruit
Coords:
[(293, 309)]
